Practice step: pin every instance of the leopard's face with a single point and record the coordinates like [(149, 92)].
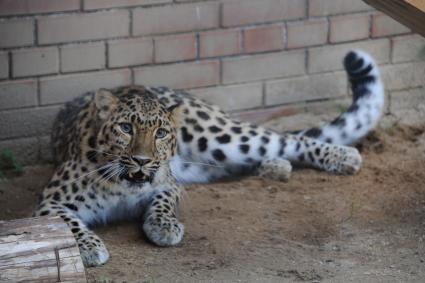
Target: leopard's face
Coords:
[(136, 137)]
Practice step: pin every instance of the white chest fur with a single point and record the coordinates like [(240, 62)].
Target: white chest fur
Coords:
[(118, 202)]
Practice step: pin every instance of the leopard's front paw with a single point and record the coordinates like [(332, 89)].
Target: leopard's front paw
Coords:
[(93, 253), (163, 231)]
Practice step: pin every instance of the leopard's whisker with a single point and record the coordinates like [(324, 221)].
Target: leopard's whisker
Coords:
[(118, 173), (89, 173), (117, 169), (205, 164), (114, 172), (101, 176), (122, 170), (111, 166), (110, 174)]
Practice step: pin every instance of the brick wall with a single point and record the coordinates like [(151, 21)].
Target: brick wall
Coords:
[(240, 54)]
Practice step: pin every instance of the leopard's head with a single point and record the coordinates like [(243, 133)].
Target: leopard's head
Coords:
[(136, 134)]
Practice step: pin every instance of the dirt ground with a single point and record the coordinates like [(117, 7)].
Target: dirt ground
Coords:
[(315, 228)]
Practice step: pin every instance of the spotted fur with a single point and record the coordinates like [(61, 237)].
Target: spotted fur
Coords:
[(212, 145), (116, 150), (209, 145)]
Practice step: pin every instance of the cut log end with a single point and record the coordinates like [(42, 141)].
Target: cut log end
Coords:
[(40, 249)]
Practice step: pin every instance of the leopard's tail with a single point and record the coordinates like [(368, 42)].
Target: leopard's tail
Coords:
[(366, 108)]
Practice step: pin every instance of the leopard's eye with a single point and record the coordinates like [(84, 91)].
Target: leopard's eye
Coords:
[(126, 128), (161, 133)]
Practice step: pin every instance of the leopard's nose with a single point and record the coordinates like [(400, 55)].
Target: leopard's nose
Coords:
[(141, 160)]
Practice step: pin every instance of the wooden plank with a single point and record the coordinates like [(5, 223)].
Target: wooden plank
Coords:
[(40, 249), (420, 4), (410, 13)]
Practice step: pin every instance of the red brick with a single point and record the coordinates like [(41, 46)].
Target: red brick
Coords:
[(25, 150), (104, 4), (17, 94), (130, 52), (244, 12), (383, 25), (349, 27), (307, 33), (408, 48), (261, 116), (35, 61), (266, 38), (45, 154), (60, 89), (11, 28), (4, 64), (329, 58), (220, 43), (174, 48), (179, 76), (27, 122), (19, 7), (233, 97), (77, 27), (79, 57), (306, 88), (259, 67), (175, 18), (404, 76), (408, 100), (333, 7)]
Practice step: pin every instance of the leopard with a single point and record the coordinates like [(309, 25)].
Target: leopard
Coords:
[(116, 166), (127, 152)]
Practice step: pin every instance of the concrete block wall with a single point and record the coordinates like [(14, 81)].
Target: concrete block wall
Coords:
[(240, 54)]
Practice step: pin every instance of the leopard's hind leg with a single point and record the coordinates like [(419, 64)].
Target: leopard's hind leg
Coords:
[(338, 159), (269, 154), (329, 157)]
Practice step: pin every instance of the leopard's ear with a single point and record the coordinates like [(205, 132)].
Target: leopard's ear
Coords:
[(176, 113), (105, 102)]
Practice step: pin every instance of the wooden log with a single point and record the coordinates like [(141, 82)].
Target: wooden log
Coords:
[(40, 249), (410, 13)]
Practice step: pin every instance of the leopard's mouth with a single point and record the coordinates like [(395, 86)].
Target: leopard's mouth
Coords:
[(138, 177)]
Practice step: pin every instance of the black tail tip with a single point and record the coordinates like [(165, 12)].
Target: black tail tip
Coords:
[(353, 62)]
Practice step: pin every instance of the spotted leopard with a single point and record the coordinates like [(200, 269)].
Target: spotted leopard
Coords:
[(123, 153), (116, 166)]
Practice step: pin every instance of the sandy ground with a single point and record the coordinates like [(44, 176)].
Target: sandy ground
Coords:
[(314, 228)]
